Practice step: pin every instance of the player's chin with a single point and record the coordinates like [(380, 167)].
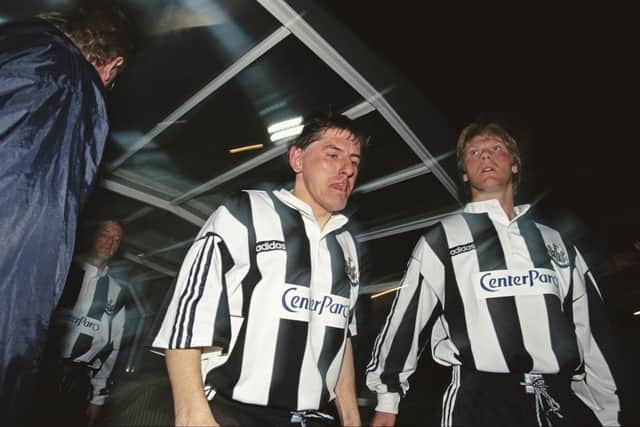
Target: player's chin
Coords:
[(339, 206)]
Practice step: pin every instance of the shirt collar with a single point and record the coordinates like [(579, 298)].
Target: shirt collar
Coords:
[(493, 208), (93, 271), (288, 198)]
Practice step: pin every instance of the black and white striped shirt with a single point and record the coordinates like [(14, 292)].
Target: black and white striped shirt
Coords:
[(89, 323), (496, 295), (269, 297)]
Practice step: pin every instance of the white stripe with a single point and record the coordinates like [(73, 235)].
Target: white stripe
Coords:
[(445, 399), (309, 373), (450, 397)]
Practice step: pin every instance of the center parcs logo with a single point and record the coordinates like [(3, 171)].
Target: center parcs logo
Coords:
[(500, 283)]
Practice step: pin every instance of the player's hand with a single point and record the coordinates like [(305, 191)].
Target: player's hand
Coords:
[(92, 412), (383, 419)]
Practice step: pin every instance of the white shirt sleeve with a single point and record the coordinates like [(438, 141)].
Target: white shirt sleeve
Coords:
[(598, 388), (395, 355), (199, 312)]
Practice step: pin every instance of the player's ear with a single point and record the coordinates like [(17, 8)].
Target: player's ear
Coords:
[(295, 158)]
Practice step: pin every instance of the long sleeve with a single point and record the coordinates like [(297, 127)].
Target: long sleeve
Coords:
[(407, 329), (598, 388), (205, 297), (99, 380)]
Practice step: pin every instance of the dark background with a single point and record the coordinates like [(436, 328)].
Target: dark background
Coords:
[(563, 81)]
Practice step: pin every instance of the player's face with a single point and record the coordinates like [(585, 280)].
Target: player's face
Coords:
[(489, 166), (326, 171), (107, 240)]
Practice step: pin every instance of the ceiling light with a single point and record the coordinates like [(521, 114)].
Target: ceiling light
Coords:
[(386, 291), (294, 131), (286, 124), (637, 313), (245, 148)]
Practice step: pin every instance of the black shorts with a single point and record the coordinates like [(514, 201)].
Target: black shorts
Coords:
[(229, 412), (486, 399), (63, 391)]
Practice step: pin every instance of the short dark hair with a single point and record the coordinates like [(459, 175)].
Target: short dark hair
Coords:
[(487, 128), (316, 124), (99, 28)]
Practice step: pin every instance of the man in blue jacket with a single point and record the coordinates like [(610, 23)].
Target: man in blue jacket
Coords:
[(53, 127)]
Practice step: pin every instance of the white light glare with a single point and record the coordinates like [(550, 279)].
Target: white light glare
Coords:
[(637, 313), (286, 133), (286, 124)]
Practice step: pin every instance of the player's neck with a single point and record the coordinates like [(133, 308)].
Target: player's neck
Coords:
[(321, 215), (98, 262), (505, 198)]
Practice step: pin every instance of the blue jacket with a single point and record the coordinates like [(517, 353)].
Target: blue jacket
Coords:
[(53, 127)]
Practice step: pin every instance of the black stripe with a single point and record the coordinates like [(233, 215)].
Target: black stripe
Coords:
[(563, 337), (401, 344), (535, 243), (240, 207), (341, 285), (559, 318), (81, 346), (226, 376), (503, 310), (567, 304), (180, 315), (222, 328), (425, 336), (333, 339), (454, 309), (382, 336), (190, 288), (103, 354), (287, 364), (298, 252), (506, 323), (100, 298), (601, 331), (72, 287), (485, 237)]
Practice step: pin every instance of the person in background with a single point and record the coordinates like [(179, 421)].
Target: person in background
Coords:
[(259, 328), (508, 303), (86, 335), (54, 71)]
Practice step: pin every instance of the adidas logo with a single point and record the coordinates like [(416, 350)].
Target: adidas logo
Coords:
[(270, 245), (462, 249)]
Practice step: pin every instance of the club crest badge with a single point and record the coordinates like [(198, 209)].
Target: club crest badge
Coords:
[(351, 271), (558, 255), (110, 308)]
